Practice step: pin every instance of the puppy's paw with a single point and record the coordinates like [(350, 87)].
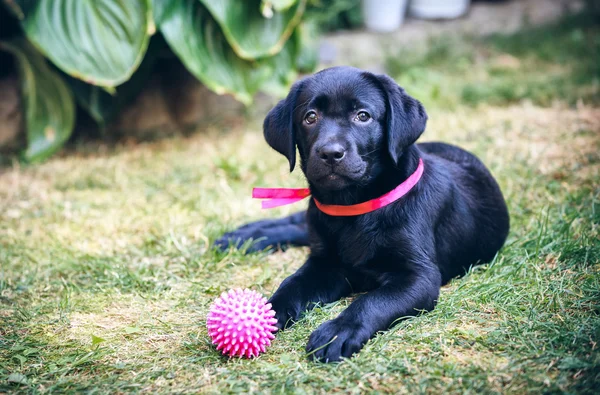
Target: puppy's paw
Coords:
[(227, 240), (287, 309), (336, 339)]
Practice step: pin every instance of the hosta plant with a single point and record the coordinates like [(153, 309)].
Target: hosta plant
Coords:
[(98, 53)]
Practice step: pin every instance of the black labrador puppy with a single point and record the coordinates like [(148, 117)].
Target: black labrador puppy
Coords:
[(355, 132)]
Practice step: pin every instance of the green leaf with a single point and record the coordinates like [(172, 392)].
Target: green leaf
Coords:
[(196, 39), (97, 340), (17, 378), (334, 14), (306, 37), (48, 102), (284, 70), (104, 106), (20, 358), (30, 351), (99, 41), (249, 33)]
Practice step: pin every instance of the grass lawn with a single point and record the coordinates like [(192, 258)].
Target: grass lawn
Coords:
[(106, 270)]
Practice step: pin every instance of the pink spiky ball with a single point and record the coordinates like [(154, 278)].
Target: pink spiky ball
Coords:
[(241, 323)]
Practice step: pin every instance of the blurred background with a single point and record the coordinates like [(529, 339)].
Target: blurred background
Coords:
[(112, 71)]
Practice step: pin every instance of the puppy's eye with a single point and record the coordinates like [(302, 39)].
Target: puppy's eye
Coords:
[(362, 116), (311, 117)]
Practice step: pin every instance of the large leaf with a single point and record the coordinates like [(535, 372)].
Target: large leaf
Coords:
[(249, 33), (284, 70), (306, 37), (99, 41), (104, 106), (48, 102), (196, 38)]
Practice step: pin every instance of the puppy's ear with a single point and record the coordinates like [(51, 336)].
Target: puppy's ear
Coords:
[(406, 117), (278, 127)]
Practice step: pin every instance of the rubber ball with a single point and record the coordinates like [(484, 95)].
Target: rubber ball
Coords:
[(241, 323)]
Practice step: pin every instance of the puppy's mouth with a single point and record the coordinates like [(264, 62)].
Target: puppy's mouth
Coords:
[(335, 179), (332, 177)]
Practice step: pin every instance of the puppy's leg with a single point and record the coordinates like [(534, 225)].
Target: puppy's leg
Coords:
[(373, 312), (275, 233), (316, 281)]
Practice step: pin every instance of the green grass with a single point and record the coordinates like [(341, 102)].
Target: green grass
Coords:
[(558, 62), (106, 271)]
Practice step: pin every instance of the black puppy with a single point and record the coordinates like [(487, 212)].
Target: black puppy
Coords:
[(355, 132)]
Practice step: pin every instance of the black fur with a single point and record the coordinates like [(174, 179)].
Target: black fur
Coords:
[(398, 256)]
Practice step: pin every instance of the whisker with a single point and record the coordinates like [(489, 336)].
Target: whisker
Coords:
[(369, 153)]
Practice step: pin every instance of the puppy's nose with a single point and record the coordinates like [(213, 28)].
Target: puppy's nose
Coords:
[(332, 153)]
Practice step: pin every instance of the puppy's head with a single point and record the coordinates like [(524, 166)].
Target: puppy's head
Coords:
[(348, 125)]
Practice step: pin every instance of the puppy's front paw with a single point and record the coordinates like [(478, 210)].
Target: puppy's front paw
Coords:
[(336, 339), (287, 309)]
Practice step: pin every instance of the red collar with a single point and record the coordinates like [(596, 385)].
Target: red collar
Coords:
[(283, 196)]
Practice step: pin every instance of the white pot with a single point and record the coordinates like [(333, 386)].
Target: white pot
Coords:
[(383, 15), (438, 9)]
